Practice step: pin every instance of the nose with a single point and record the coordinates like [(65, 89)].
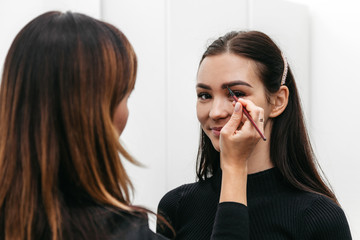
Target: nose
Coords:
[(220, 109)]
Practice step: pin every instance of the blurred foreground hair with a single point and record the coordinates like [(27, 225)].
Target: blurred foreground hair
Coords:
[(63, 77)]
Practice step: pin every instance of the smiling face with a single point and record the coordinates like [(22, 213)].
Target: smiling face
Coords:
[(214, 105)]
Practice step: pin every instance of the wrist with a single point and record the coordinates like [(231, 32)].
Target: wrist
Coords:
[(233, 163), (236, 168), (233, 186), (238, 175)]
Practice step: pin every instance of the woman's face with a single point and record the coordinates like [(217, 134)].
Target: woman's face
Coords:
[(121, 115), (214, 103)]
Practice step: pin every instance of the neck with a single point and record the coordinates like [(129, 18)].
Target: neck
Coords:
[(259, 159)]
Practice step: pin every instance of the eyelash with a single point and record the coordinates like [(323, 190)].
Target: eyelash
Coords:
[(205, 96), (238, 94), (201, 95)]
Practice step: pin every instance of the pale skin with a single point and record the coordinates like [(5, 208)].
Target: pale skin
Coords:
[(121, 115), (242, 151)]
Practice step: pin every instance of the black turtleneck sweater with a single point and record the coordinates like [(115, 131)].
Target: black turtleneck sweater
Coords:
[(276, 210)]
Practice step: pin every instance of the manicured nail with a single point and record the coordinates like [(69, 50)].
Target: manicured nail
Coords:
[(237, 107)]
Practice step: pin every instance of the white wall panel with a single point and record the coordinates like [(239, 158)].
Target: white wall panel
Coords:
[(288, 24), (335, 91), (143, 22), (89, 7)]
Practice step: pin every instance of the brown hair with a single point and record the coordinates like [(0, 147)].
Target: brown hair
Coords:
[(63, 77), (290, 147)]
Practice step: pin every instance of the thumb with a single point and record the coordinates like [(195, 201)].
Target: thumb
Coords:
[(232, 125)]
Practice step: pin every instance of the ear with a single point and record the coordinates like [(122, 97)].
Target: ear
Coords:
[(279, 101)]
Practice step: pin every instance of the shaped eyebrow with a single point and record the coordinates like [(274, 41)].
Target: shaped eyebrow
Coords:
[(201, 85), (225, 85), (234, 83)]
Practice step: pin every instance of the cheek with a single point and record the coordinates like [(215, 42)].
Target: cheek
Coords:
[(261, 101), (120, 118), (202, 112)]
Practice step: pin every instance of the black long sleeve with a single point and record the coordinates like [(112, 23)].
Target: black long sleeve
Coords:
[(116, 225), (275, 211), (231, 222)]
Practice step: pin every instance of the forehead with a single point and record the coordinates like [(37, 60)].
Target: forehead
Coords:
[(219, 69)]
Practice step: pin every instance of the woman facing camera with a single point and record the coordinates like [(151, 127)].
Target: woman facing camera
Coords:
[(63, 99), (285, 195)]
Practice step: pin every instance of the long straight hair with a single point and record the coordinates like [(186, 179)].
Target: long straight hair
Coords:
[(290, 147), (63, 77)]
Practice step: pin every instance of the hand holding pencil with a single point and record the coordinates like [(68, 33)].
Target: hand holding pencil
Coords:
[(239, 138), (248, 115)]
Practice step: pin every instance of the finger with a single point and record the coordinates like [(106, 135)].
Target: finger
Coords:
[(260, 121), (257, 115), (248, 105), (252, 109), (232, 125)]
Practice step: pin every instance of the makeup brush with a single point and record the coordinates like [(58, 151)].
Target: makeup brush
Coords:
[(247, 115)]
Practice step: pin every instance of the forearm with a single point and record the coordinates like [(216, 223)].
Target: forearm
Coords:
[(232, 218), (233, 185)]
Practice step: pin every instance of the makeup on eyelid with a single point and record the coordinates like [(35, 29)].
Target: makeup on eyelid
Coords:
[(238, 93)]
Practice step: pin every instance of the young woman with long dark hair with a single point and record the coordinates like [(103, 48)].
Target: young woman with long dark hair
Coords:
[(63, 105), (286, 195)]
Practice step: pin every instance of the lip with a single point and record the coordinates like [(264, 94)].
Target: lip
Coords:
[(216, 131)]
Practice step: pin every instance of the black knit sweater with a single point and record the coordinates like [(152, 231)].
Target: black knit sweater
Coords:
[(276, 210)]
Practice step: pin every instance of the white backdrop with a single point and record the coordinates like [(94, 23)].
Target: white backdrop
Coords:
[(335, 103), (319, 37)]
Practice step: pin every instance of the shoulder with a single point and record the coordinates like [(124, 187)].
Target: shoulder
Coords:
[(173, 196), (168, 210), (172, 200), (180, 203), (169, 203), (324, 208), (324, 219)]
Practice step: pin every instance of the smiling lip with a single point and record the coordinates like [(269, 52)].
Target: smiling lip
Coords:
[(216, 131)]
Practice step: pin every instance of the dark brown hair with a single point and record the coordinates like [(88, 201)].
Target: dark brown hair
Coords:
[(290, 147), (63, 77)]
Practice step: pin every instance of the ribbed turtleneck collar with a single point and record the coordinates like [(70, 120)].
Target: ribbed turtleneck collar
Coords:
[(266, 182)]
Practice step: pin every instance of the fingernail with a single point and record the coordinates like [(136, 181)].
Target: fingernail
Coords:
[(237, 107)]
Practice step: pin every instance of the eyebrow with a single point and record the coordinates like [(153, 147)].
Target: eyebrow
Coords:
[(201, 85), (234, 83), (225, 85)]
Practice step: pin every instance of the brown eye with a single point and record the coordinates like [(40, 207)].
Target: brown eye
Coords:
[(238, 94), (204, 96)]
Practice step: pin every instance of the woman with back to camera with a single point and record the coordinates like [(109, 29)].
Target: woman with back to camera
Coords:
[(63, 105), (285, 194)]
